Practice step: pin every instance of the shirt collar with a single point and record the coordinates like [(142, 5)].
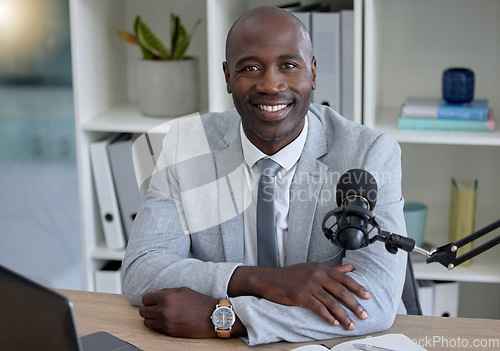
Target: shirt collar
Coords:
[(286, 157)]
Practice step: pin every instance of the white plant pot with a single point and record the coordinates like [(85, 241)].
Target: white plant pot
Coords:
[(168, 88)]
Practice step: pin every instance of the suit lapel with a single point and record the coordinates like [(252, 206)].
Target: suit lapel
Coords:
[(229, 167), (305, 193)]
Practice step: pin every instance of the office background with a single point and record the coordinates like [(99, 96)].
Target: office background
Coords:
[(39, 218), (39, 214)]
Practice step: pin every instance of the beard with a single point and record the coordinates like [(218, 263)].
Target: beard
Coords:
[(273, 131), (261, 134)]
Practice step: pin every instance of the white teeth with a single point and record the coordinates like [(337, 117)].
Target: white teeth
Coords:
[(271, 108)]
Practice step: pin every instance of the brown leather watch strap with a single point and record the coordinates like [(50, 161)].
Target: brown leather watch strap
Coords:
[(223, 334), (225, 303)]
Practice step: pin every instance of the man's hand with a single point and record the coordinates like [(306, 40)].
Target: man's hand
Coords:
[(180, 312), (313, 285)]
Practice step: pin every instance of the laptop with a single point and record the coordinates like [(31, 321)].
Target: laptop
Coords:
[(33, 317)]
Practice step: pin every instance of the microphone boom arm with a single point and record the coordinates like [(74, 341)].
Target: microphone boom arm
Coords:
[(447, 254)]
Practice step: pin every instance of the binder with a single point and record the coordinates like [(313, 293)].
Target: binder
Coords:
[(325, 32), (303, 12), (347, 63), (106, 195), (128, 194)]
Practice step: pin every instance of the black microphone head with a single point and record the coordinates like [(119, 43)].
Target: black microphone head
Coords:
[(357, 183), (351, 238)]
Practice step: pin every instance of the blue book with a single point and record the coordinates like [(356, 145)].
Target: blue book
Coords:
[(437, 108), (447, 124)]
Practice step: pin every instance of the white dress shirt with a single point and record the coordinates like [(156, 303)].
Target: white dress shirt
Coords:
[(287, 159)]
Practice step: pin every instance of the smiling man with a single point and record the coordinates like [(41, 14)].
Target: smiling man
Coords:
[(270, 71), (194, 261)]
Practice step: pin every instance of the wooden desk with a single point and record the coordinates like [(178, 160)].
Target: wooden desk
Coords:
[(114, 314)]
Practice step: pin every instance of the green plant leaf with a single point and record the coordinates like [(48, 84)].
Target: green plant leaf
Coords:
[(148, 40), (175, 23), (136, 24), (146, 54), (152, 47), (183, 44)]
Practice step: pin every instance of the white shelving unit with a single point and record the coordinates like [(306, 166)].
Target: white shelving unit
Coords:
[(408, 45), (404, 46), (105, 88)]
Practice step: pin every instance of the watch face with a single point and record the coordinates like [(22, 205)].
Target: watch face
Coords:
[(223, 318)]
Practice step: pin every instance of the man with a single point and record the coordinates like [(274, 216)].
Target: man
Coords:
[(195, 241)]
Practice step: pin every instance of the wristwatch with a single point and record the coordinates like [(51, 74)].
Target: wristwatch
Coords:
[(223, 318)]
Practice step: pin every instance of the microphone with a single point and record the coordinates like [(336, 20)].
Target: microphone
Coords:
[(356, 197)]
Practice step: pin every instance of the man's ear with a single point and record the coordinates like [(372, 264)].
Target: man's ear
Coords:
[(225, 68), (313, 71)]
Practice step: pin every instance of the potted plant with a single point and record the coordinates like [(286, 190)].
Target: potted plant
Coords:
[(168, 80)]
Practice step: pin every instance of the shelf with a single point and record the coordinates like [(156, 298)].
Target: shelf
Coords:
[(387, 123), (103, 253), (404, 58), (124, 118), (483, 269)]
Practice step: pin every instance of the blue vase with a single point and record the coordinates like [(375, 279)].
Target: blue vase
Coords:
[(458, 85)]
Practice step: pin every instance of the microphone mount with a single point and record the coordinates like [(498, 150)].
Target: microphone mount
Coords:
[(445, 255), (393, 242)]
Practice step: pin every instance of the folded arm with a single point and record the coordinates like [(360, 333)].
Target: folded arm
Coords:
[(292, 303)]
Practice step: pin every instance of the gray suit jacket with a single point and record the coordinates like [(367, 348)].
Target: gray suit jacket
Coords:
[(189, 231)]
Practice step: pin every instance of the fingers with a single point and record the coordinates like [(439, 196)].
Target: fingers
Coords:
[(353, 286), (149, 311), (345, 268), (337, 294), (151, 323), (330, 308), (342, 289), (149, 298), (319, 308), (152, 317), (152, 310)]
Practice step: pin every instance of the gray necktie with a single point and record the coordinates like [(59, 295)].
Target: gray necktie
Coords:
[(266, 224)]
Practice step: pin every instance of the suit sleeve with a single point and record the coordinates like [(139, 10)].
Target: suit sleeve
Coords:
[(158, 253), (376, 269)]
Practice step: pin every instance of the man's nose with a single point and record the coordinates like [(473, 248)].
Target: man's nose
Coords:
[(271, 82)]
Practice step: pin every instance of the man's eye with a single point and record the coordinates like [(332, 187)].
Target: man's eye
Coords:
[(289, 65), (250, 69)]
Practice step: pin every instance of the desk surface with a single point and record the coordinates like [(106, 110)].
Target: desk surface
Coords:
[(114, 314)]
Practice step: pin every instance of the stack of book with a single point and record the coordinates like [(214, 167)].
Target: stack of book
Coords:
[(431, 113)]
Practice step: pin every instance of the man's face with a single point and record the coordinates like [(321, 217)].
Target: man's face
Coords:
[(271, 73)]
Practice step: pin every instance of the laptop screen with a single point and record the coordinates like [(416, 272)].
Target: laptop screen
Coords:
[(33, 317)]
